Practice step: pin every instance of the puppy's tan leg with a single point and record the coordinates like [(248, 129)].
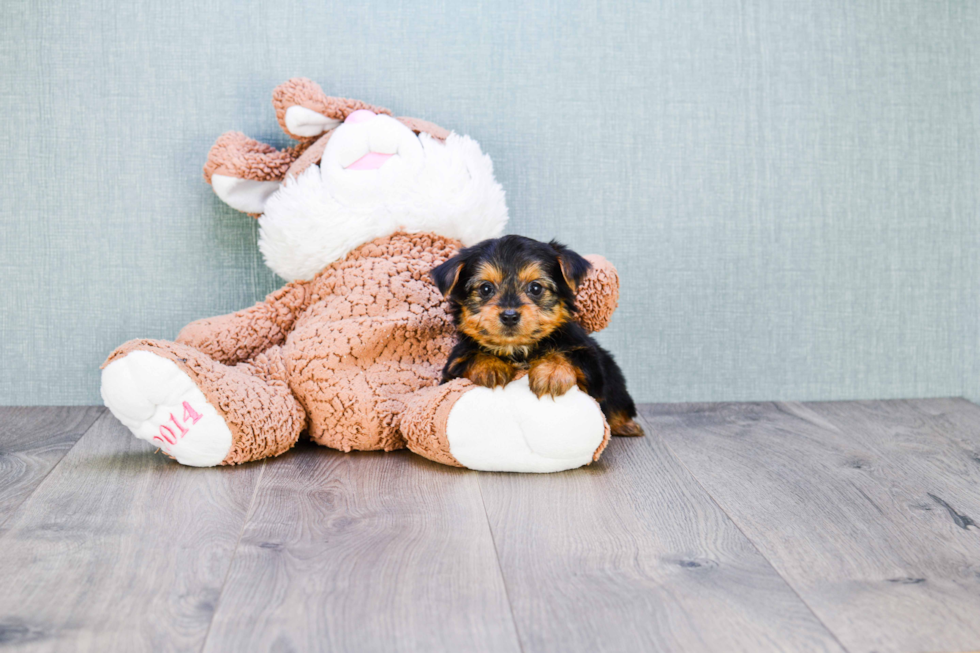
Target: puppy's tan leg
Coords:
[(490, 371), (552, 374)]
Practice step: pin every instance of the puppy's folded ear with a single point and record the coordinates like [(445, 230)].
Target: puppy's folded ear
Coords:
[(574, 267), (446, 276)]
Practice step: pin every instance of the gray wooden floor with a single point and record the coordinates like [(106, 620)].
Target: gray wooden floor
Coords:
[(731, 527)]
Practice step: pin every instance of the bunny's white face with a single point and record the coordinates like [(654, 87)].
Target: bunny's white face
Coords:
[(376, 177), (371, 159)]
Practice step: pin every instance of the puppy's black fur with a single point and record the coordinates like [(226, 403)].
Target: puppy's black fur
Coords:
[(513, 302)]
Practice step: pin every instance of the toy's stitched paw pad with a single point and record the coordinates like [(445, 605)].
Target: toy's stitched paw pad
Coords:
[(552, 375), (510, 430), (159, 403)]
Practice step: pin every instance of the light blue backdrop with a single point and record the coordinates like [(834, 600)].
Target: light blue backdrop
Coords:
[(790, 190)]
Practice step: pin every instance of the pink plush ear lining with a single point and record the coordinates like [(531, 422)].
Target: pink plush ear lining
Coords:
[(598, 295)]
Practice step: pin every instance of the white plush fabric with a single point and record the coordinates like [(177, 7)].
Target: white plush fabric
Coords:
[(327, 211), (306, 122), (510, 430), (147, 393), (244, 195)]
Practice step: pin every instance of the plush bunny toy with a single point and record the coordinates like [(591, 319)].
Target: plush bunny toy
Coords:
[(350, 350)]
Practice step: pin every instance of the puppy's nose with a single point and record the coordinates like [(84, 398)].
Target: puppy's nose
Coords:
[(510, 317)]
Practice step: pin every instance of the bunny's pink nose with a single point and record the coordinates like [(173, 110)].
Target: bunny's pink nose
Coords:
[(361, 115)]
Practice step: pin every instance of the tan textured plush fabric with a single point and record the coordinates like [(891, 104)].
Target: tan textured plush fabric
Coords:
[(236, 155), (606, 434), (343, 355), (424, 422), (239, 336), (598, 295), (388, 336)]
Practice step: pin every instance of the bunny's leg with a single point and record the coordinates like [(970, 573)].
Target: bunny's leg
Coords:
[(199, 411), (505, 429)]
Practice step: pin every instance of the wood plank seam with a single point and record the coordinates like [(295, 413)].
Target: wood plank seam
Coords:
[(120, 549), (652, 433), (632, 555), (500, 569), (53, 467), (234, 554), (336, 541)]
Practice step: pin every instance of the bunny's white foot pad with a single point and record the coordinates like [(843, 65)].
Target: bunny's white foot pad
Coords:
[(159, 403), (510, 430)]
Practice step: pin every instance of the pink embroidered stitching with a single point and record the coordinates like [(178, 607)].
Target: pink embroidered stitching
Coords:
[(190, 415)]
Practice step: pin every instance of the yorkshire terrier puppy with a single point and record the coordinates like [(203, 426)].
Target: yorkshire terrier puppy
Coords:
[(513, 302)]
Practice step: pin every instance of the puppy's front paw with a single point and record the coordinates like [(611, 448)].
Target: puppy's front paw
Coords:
[(490, 371), (552, 375)]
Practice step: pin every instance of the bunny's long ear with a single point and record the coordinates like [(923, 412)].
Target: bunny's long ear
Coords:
[(304, 111), (244, 173)]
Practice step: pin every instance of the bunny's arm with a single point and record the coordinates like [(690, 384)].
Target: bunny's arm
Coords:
[(240, 336), (598, 295)]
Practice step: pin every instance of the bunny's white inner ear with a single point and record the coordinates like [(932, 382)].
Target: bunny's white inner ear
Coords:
[(246, 195), (306, 122)]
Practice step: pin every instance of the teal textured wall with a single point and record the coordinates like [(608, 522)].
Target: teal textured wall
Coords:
[(790, 190)]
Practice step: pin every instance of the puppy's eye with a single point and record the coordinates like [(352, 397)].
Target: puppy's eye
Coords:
[(485, 289), (534, 289)]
